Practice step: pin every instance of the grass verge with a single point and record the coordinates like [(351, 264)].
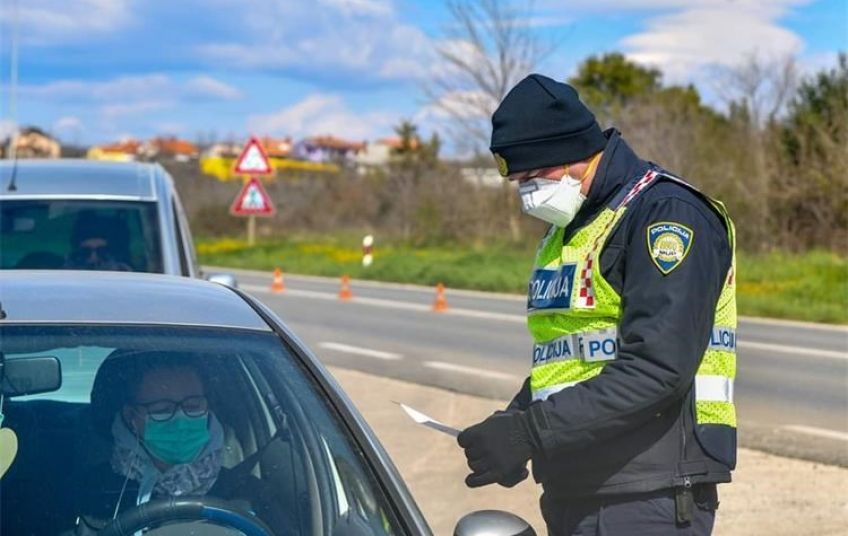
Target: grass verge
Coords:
[(810, 286)]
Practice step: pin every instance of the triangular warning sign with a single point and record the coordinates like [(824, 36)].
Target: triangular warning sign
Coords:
[(252, 200), (253, 160)]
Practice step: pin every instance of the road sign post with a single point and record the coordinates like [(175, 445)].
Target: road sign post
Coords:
[(251, 230)]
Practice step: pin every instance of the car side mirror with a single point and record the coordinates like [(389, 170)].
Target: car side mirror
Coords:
[(492, 523), (228, 280), (30, 375)]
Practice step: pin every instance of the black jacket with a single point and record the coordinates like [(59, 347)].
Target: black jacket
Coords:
[(630, 429)]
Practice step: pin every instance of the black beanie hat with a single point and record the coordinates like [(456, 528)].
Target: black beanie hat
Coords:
[(542, 123)]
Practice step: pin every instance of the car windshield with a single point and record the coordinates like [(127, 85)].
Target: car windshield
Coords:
[(149, 413), (80, 235)]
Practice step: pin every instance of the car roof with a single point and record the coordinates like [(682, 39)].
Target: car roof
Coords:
[(86, 179), (67, 296)]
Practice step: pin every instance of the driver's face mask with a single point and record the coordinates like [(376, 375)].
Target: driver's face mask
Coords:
[(178, 439)]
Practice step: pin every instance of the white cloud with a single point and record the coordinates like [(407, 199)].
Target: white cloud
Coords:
[(682, 37), (68, 123), (467, 105), (682, 42), (111, 112), (7, 127), (322, 114), (360, 7), (170, 128), (206, 86), (361, 41), (48, 22), (131, 88), (118, 89)]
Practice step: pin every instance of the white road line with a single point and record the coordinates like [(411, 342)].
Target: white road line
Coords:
[(452, 367), (778, 322), (812, 430), (520, 319), (388, 304), (795, 350), (483, 294), (358, 350), (506, 317)]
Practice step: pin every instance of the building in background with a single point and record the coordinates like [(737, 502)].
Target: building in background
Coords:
[(328, 149), (275, 148), (122, 151), (32, 142), (169, 148), (380, 152)]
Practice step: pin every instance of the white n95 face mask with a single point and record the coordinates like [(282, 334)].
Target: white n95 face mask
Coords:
[(556, 202)]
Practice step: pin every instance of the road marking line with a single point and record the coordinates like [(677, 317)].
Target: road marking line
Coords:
[(452, 367), (812, 430), (506, 296), (389, 304), (792, 323), (506, 317), (830, 354), (358, 350), (521, 319), (483, 294)]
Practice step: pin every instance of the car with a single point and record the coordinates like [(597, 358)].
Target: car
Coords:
[(85, 214), (86, 358)]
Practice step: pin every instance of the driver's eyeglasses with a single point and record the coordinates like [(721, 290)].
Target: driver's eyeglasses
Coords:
[(164, 410), (84, 252)]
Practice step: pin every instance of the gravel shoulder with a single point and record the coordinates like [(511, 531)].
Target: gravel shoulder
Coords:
[(770, 495)]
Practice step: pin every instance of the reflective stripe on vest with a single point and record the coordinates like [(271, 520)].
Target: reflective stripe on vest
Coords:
[(573, 315)]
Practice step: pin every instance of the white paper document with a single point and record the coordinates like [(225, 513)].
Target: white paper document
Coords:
[(429, 422)]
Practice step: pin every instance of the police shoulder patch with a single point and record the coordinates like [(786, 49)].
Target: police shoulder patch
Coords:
[(668, 244)]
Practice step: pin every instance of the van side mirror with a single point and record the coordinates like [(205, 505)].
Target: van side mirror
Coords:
[(228, 280), (29, 375), (492, 523)]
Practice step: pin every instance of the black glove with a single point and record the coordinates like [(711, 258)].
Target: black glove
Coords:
[(497, 449), (515, 478)]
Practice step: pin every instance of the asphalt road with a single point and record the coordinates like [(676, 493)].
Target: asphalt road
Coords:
[(791, 387)]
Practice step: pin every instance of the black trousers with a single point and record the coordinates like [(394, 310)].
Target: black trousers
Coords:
[(643, 514)]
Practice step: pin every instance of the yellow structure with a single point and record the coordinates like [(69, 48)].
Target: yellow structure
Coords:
[(221, 167)]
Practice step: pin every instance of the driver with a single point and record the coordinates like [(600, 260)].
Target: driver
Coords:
[(166, 442), (93, 243), (166, 439)]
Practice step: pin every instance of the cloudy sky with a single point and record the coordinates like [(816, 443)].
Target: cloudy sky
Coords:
[(98, 70)]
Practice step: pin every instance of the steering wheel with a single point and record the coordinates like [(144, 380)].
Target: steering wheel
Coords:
[(208, 509)]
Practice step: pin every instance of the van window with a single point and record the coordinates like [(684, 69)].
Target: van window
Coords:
[(79, 235)]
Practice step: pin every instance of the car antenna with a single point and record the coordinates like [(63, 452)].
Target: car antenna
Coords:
[(13, 102), (13, 187)]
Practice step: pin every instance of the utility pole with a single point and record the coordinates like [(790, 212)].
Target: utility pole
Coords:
[(13, 84)]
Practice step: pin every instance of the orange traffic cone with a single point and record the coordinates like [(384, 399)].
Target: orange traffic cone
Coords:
[(345, 293), (441, 304), (278, 285)]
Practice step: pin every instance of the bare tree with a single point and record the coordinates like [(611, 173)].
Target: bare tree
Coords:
[(487, 49), (763, 86), (757, 91)]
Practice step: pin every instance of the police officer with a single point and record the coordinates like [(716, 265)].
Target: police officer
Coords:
[(627, 413)]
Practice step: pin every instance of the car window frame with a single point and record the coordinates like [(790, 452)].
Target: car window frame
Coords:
[(404, 508)]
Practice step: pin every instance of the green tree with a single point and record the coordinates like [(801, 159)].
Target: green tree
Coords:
[(611, 80), (811, 196)]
